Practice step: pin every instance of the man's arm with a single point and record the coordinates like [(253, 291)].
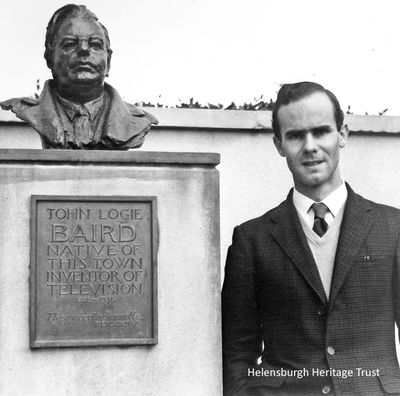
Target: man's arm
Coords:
[(241, 328), (396, 288)]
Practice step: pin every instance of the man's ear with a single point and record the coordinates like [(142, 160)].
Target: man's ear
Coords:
[(343, 133), (278, 145)]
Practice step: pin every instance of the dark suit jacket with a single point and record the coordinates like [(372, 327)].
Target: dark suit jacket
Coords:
[(273, 295)]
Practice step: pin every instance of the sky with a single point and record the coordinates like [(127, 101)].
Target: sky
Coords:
[(219, 51)]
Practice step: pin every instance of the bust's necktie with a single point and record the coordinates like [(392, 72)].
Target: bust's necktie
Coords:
[(82, 128), (83, 118), (320, 225)]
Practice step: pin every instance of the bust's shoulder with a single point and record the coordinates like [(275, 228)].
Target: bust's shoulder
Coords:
[(133, 110), (139, 112), (28, 108), (17, 105)]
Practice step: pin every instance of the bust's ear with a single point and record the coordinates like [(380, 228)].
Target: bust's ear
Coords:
[(48, 56), (109, 54)]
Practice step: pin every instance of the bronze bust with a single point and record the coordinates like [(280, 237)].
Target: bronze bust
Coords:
[(77, 109)]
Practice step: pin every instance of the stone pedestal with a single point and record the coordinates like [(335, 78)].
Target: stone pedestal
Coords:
[(187, 358)]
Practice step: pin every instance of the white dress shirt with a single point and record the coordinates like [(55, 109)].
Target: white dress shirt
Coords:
[(335, 201)]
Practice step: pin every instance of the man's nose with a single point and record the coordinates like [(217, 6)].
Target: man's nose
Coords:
[(310, 143)]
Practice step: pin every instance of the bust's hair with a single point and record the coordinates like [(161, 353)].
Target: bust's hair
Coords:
[(62, 14), (293, 92)]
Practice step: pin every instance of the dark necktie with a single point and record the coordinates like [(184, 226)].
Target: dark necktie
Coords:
[(320, 225)]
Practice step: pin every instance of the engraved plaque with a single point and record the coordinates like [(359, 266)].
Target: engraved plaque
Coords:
[(93, 274)]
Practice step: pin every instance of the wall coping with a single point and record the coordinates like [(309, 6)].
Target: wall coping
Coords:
[(252, 121), (102, 157)]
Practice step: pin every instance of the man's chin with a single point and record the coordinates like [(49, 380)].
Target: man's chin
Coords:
[(313, 180)]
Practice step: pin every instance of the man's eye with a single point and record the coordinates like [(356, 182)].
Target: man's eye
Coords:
[(320, 132), (294, 136)]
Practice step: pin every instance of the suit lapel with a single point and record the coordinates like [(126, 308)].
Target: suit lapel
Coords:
[(354, 229), (289, 234)]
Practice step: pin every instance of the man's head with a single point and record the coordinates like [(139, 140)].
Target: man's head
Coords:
[(294, 92), (77, 47), (309, 132)]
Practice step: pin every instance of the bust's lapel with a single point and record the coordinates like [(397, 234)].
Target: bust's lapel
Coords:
[(42, 115), (126, 124), (356, 224), (289, 234)]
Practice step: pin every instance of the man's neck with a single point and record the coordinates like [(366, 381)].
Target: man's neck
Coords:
[(80, 93), (318, 193)]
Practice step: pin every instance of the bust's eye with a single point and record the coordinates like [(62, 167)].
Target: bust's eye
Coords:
[(68, 44), (96, 44)]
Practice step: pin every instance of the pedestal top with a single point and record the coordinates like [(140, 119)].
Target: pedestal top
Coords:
[(125, 158)]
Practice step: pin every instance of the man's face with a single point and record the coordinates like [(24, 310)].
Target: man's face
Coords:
[(311, 143), (80, 54)]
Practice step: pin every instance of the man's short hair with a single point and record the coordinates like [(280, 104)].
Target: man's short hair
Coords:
[(63, 13), (294, 92)]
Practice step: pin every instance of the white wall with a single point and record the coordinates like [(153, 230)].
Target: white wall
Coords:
[(254, 178)]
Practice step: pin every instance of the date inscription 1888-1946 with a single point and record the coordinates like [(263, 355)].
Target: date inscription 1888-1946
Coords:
[(93, 271)]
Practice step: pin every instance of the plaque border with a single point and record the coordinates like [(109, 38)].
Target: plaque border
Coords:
[(34, 343)]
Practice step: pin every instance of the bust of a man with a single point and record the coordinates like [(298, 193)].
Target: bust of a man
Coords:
[(77, 109)]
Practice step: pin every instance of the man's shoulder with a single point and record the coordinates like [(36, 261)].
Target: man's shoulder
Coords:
[(267, 220), (374, 207), (382, 212), (384, 208), (385, 219)]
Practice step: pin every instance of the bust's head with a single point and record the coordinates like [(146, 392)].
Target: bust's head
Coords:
[(77, 51)]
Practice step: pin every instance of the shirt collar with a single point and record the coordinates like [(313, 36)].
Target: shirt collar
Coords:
[(334, 201), (90, 109)]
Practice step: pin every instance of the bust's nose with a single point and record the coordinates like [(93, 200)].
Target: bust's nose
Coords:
[(83, 47)]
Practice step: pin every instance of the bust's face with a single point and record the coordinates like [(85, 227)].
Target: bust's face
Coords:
[(80, 53)]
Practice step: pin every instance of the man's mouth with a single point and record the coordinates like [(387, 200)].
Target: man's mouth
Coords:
[(313, 163)]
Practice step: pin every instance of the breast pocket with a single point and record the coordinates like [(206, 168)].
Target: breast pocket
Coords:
[(370, 280), (374, 258)]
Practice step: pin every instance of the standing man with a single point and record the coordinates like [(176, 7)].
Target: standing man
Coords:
[(312, 288)]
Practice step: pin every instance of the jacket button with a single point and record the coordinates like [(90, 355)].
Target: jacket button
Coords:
[(326, 389), (330, 350), (321, 311)]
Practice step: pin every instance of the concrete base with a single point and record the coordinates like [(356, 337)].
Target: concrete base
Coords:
[(187, 358)]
